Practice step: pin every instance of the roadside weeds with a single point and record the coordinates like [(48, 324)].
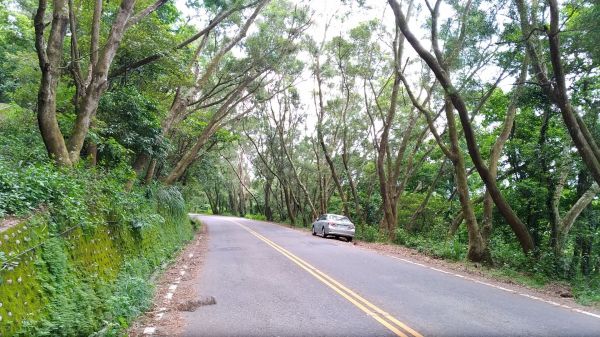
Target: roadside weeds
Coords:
[(175, 292)]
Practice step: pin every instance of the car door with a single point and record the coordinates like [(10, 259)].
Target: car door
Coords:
[(317, 223), (324, 224)]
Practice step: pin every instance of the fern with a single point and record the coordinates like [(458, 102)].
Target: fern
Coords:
[(171, 202)]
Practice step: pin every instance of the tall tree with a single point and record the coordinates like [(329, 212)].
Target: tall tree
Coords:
[(89, 88), (433, 62)]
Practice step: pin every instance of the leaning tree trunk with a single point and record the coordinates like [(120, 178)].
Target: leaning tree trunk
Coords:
[(478, 250), (91, 88), (496, 151), (288, 204), (187, 159), (385, 186), (430, 190), (518, 227), (295, 171)]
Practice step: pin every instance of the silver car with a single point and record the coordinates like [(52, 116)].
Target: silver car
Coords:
[(335, 225)]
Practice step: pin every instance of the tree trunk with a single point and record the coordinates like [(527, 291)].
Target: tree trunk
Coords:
[(98, 80), (496, 151), (566, 223), (267, 188), (478, 250), (140, 163), (322, 184), (357, 210), (423, 204), (320, 135), (385, 186), (150, 171), (177, 111), (296, 175), (91, 89), (288, 205), (50, 58), (187, 159)]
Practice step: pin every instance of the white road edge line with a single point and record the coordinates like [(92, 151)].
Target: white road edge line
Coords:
[(149, 330), (535, 298), (586, 313)]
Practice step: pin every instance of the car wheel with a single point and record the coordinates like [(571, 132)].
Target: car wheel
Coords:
[(324, 235), (313, 231), (349, 239)]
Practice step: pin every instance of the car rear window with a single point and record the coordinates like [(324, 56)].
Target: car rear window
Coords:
[(339, 218)]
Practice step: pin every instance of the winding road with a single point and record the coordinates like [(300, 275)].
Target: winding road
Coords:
[(270, 280)]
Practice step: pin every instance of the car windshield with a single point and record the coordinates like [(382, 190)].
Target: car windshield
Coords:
[(340, 218)]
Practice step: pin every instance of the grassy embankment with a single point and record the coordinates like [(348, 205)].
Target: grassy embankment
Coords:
[(77, 250)]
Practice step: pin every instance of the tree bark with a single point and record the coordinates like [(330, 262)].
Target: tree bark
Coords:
[(98, 80), (50, 58), (150, 171), (496, 151), (565, 223), (215, 122), (423, 204), (288, 204), (90, 90), (478, 251), (322, 182), (280, 130), (267, 188), (386, 190)]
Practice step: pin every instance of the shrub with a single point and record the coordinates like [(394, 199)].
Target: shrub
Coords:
[(368, 233), (259, 217)]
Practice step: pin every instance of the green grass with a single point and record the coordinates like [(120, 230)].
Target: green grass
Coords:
[(536, 281), (259, 217)]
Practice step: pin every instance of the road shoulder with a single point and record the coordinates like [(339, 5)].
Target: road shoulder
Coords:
[(175, 291)]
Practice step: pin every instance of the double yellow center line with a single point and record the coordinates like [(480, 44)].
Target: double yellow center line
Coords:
[(387, 320)]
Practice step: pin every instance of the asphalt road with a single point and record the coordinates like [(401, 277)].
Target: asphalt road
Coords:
[(270, 280)]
